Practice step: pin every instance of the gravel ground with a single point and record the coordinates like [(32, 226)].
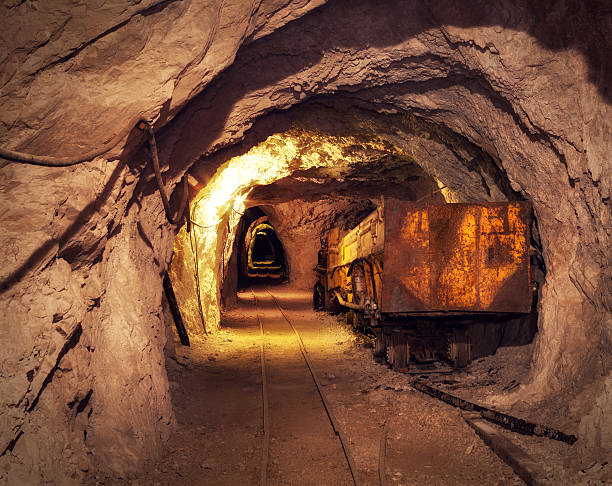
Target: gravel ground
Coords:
[(216, 389)]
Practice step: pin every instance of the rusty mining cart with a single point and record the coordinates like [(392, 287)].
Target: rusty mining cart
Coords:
[(433, 282)]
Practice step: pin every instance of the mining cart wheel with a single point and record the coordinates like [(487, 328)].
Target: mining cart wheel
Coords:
[(460, 349), (380, 345)]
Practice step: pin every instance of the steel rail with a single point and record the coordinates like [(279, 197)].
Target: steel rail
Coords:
[(509, 422), (265, 453), (337, 430), (382, 455)]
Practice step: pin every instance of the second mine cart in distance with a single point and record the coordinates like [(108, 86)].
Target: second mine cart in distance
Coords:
[(432, 281)]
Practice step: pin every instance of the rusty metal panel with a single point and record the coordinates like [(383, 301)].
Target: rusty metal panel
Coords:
[(456, 257), (364, 239), (453, 235), (406, 269)]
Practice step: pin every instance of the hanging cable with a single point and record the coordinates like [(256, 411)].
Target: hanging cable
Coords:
[(186, 204), (196, 264), (160, 182), (50, 161), (223, 257), (195, 223), (142, 124), (157, 171)]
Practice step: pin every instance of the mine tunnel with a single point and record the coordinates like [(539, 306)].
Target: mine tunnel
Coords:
[(262, 256), (306, 243)]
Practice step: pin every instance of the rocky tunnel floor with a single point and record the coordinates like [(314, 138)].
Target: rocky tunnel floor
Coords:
[(217, 394)]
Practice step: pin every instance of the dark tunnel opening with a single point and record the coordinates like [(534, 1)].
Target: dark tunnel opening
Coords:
[(266, 257), (261, 255)]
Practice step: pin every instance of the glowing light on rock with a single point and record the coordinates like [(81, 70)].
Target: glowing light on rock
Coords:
[(217, 208), (448, 194)]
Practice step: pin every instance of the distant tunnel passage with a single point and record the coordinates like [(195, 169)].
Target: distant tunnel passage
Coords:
[(265, 253)]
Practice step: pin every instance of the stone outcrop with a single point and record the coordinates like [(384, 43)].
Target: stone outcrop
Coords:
[(494, 100), (300, 225)]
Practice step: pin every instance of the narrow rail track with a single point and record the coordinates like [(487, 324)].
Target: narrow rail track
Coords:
[(276, 324), (265, 457)]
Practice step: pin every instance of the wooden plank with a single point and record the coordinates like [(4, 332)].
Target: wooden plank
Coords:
[(507, 421), (176, 313), (522, 464)]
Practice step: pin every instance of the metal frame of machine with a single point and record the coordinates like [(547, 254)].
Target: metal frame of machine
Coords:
[(420, 275)]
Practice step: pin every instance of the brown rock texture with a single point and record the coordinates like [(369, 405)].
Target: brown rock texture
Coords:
[(494, 100), (300, 225)]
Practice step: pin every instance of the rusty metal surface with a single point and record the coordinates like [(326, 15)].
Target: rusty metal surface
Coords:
[(507, 421), (456, 257)]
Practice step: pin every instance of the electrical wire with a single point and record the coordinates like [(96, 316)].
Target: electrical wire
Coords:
[(160, 184), (196, 263), (50, 161), (195, 223), (223, 256), (138, 121), (160, 181)]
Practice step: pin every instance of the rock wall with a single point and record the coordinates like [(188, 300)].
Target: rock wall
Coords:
[(84, 390), (526, 84), (83, 379), (301, 224)]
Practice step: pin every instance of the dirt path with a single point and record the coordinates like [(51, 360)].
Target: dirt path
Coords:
[(428, 442), (216, 388), (303, 449)]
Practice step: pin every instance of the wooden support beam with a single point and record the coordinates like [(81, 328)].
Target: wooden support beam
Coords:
[(176, 313), (522, 464)]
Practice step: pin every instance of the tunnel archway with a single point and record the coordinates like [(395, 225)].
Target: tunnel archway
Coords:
[(99, 235), (260, 253), (265, 255), (337, 151)]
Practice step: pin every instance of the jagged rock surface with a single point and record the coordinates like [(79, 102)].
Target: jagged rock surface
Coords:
[(526, 84)]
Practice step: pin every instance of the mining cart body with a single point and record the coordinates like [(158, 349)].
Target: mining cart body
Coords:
[(432, 280)]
